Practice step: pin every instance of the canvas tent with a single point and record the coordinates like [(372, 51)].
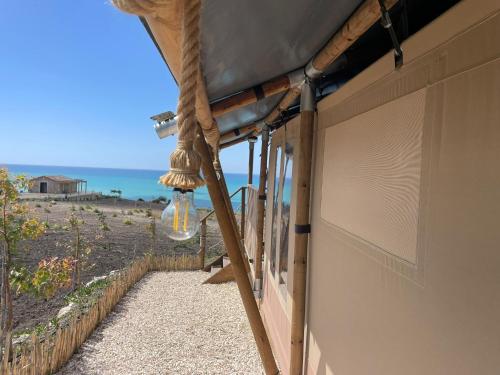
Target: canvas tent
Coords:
[(382, 196)]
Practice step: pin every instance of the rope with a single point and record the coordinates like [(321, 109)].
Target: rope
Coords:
[(185, 162), (141, 7)]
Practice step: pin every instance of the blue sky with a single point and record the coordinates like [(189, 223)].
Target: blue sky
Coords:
[(78, 83)]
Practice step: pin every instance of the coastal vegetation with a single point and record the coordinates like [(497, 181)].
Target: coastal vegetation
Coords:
[(16, 225), (81, 242)]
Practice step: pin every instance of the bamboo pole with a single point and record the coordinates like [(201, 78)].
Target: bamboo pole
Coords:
[(251, 146), (261, 207), (251, 95), (225, 217), (303, 189), (360, 21)]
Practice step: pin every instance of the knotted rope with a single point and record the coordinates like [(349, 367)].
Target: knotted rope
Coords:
[(185, 162)]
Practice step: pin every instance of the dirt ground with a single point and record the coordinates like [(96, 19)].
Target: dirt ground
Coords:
[(127, 239)]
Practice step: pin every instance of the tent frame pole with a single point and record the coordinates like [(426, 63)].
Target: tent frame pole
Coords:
[(302, 227), (232, 241), (261, 208)]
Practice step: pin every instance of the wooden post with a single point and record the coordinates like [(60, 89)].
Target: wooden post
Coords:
[(251, 146), (302, 227), (261, 207), (243, 208), (203, 242), (225, 217)]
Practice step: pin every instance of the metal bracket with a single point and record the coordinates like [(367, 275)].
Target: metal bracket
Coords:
[(302, 229), (386, 22)]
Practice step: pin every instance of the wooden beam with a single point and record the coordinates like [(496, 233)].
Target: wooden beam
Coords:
[(224, 275), (261, 206), (232, 241), (303, 189), (251, 95), (219, 261)]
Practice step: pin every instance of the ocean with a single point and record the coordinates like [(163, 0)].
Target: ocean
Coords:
[(134, 183)]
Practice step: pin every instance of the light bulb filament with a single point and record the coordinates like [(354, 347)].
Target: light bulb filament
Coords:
[(176, 216)]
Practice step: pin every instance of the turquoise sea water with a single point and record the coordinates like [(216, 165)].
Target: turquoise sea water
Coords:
[(134, 183)]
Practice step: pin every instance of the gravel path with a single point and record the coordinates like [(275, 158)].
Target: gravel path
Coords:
[(170, 323)]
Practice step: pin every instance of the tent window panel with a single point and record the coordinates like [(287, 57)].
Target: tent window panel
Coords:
[(286, 199), (275, 220)]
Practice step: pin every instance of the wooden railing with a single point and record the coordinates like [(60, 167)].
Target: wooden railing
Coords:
[(203, 223)]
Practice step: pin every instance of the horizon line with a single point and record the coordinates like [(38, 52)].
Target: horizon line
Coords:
[(115, 168)]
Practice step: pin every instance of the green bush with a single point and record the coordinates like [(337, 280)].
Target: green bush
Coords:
[(127, 222)]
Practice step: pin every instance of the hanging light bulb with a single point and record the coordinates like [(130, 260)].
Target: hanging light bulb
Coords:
[(180, 216)]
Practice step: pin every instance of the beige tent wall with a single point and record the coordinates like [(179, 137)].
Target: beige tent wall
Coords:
[(404, 268)]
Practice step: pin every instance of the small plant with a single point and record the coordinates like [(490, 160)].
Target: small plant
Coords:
[(96, 210), (38, 205), (79, 248), (127, 222), (88, 207), (81, 208), (104, 228), (130, 213), (73, 208), (46, 210), (149, 213), (114, 215), (51, 274), (85, 295)]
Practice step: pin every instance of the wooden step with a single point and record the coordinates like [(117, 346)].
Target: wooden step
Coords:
[(223, 275), (217, 262)]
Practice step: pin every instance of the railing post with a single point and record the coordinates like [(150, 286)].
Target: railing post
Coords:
[(203, 242), (243, 208)]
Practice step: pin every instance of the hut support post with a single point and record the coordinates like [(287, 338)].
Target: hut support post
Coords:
[(302, 227), (225, 217), (261, 208)]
